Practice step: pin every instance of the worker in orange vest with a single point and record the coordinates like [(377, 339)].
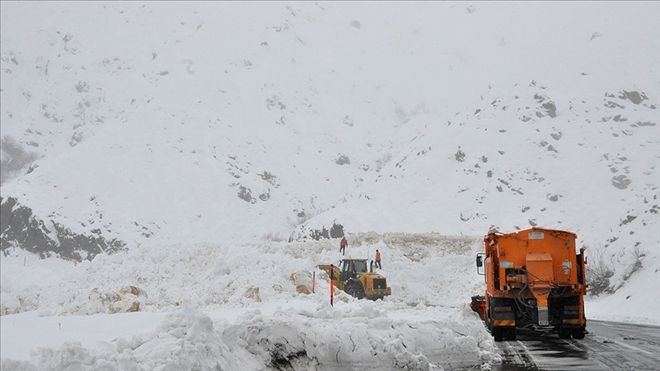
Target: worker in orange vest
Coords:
[(378, 260), (342, 246)]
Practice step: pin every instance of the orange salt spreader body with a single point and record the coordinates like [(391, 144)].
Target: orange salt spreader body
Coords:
[(534, 279)]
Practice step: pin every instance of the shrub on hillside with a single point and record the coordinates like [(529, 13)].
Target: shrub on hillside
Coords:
[(637, 256), (599, 272)]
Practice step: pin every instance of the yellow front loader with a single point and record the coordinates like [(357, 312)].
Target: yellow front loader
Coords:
[(355, 279)]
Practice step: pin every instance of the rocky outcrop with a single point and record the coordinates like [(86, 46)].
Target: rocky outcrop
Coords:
[(304, 232), (303, 281), (20, 228)]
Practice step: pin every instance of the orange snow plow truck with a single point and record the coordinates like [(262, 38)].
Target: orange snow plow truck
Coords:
[(534, 279)]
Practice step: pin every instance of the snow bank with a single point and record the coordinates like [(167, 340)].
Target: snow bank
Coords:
[(211, 306)]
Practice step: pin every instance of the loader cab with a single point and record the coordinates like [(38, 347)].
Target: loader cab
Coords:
[(350, 268)]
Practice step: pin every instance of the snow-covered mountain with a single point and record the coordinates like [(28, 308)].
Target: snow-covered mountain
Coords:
[(128, 124)]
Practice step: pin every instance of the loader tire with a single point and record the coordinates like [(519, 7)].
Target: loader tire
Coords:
[(355, 289)]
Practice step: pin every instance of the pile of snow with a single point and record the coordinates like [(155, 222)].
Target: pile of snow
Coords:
[(207, 306), (237, 307)]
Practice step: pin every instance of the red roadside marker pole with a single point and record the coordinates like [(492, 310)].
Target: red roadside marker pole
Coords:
[(332, 283)]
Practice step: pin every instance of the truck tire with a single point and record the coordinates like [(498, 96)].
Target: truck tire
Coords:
[(511, 334), (578, 334), (498, 333), (355, 289), (564, 333)]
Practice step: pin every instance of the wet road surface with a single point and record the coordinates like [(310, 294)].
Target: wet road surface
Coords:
[(606, 346)]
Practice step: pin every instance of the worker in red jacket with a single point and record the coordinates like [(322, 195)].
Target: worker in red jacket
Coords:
[(342, 245), (378, 260)]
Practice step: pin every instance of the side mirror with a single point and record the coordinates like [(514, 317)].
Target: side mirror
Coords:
[(481, 268)]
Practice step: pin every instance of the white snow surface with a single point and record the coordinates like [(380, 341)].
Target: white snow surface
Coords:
[(417, 126), (196, 311)]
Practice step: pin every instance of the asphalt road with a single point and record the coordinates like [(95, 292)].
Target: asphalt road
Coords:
[(606, 346)]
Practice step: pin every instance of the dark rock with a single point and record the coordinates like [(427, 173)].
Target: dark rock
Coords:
[(621, 181), (20, 228), (343, 160), (633, 96), (245, 194), (550, 108)]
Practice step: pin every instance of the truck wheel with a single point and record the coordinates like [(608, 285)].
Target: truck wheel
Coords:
[(354, 289), (498, 333), (511, 334), (564, 333), (578, 334)]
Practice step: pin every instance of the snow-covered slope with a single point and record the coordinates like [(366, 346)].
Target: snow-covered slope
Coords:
[(164, 123)]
